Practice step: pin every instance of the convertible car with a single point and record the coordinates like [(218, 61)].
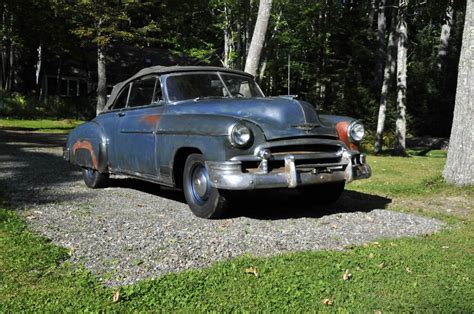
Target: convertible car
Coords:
[(210, 131)]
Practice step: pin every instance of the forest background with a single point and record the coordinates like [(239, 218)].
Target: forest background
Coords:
[(337, 51)]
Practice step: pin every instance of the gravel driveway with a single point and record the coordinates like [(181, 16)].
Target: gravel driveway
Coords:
[(134, 230)]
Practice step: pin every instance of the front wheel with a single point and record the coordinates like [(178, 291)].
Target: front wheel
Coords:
[(204, 200), (95, 179), (322, 194)]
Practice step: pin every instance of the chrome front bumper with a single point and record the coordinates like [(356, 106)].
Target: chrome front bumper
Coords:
[(229, 176)]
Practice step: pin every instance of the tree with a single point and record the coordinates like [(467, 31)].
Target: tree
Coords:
[(9, 44), (402, 37), (99, 22), (445, 34), (258, 38), (389, 70), (381, 26), (459, 168)]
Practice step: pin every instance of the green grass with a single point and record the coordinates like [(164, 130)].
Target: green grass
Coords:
[(407, 177), (44, 126), (434, 273)]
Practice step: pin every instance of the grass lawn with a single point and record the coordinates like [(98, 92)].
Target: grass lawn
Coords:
[(434, 273), (43, 126)]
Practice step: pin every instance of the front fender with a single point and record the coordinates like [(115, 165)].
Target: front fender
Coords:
[(87, 147), (208, 133), (341, 123)]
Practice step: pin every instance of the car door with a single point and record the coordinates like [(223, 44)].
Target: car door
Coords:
[(137, 129), (110, 122)]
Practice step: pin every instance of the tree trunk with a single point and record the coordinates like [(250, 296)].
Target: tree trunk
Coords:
[(3, 53), (371, 13), (101, 80), (390, 65), (238, 46), (445, 34), (381, 27), (266, 53), (402, 35), (258, 38), (11, 59), (39, 62), (459, 167), (248, 26), (228, 38), (11, 62), (59, 76)]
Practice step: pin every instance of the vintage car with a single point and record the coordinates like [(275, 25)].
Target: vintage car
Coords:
[(210, 131)]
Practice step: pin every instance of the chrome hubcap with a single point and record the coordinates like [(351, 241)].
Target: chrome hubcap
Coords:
[(200, 184)]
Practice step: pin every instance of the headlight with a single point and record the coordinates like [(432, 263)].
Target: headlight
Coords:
[(240, 135), (356, 132)]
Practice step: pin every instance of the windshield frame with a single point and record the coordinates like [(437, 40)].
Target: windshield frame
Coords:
[(218, 73)]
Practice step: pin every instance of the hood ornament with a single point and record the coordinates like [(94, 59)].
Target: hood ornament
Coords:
[(308, 127)]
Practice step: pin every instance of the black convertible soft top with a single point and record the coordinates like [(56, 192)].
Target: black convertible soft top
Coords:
[(158, 69)]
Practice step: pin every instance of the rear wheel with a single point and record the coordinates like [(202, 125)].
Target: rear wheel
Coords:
[(204, 200), (95, 179), (323, 193)]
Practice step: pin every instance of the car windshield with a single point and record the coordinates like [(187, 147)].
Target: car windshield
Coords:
[(210, 85)]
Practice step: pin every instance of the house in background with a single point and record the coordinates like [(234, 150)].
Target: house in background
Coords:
[(77, 77)]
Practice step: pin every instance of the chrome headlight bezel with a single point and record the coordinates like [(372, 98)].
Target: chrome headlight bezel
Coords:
[(356, 132), (240, 135)]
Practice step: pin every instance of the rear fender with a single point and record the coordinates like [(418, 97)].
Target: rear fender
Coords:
[(87, 146)]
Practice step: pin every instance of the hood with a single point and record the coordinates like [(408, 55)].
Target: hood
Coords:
[(278, 117)]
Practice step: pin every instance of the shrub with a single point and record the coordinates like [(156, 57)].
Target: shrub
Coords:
[(15, 105)]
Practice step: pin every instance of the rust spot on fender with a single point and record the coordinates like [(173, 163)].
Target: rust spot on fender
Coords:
[(341, 128), (87, 146), (151, 119)]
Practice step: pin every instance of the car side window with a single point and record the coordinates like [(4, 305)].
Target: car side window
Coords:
[(142, 91), (121, 101)]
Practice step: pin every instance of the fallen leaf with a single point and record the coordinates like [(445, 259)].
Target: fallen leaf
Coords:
[(327, 302), (408, 270), (251, 270), (377, 312), (347, 275), (381, 265), (445, 247), (371, 255), (334, 226), (116, 296), (375, 243)]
